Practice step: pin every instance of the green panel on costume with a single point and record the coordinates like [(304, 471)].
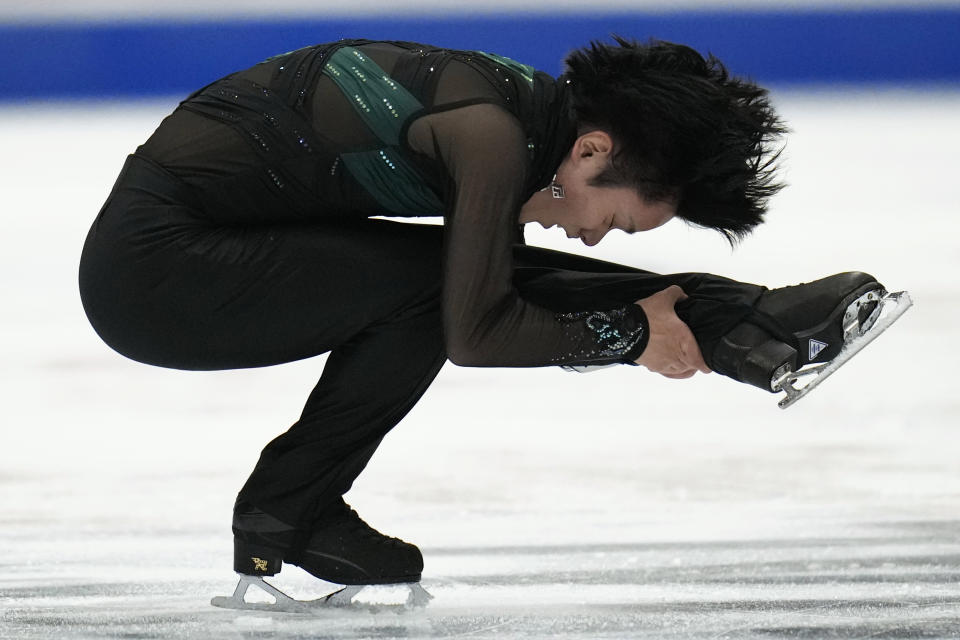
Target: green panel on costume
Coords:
[(392, 182), (525, 70), (384, 106)]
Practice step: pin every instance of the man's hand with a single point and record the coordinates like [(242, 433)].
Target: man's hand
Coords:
[(671, 350)]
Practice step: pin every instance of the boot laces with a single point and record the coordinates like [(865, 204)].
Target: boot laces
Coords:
[(356, 526)]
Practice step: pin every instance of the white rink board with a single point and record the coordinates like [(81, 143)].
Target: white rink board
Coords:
[(610, 505)]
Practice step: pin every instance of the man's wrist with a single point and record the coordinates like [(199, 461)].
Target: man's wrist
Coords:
[(637, 314)]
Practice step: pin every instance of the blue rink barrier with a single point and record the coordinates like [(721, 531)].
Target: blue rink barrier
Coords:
[(900, 46)]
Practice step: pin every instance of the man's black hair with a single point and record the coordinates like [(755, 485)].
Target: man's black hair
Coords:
[(683, 130)]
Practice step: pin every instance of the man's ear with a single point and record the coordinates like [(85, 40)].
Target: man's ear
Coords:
[(593, 143)]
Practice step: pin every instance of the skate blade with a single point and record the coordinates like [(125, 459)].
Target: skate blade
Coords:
[(586, 368), (891, 306), (416, 598)]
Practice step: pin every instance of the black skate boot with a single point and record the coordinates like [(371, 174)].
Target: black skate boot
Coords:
[(344, 549), (792, 327), (340, 548)]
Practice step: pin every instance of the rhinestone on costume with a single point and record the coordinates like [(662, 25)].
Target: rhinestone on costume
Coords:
[(390, 107), (607, 330), (363, 105), (302, 140), (334, 166), (263, 144), (275, 178), (389, 163)]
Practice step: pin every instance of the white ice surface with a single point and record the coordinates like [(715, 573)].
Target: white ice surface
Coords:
[(609, 505)]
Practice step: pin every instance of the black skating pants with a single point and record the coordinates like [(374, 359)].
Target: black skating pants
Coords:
[(165, 286)]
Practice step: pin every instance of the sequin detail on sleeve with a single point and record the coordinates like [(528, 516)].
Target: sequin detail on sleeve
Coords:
[(606, 334)]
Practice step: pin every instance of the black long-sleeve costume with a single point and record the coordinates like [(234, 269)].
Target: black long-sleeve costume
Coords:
[(240, 235)]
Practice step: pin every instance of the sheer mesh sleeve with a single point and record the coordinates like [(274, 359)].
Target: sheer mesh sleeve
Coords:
[(486, 323)]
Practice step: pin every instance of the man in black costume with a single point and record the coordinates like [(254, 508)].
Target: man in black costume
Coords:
[(241, 235)]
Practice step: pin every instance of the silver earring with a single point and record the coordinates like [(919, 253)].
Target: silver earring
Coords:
[(556, 189)]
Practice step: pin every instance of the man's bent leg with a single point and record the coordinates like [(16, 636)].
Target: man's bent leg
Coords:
[(745, 331), (368, 385), (565, 282), (291, 509)]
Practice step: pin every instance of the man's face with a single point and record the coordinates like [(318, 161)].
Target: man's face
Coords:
[(594, 211), (588, 211)]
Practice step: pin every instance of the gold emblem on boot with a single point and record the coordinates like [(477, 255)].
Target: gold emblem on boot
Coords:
[(259, 564)]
